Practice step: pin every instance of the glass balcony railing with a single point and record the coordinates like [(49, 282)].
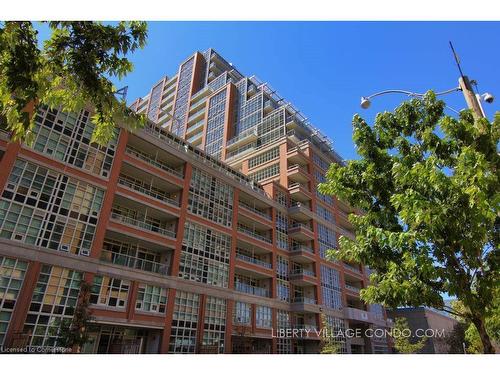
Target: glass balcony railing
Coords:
[(147, 158), (352, 268), (245, 288), (143, 225), (300, 226), (147, 190), (247, 133), (132, 262), (249, 259)]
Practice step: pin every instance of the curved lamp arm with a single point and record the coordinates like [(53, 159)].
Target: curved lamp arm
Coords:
[(365, 100)]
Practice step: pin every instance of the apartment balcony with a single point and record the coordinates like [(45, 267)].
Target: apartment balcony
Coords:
[(302, 254), (203, 93), (299, 191), (353, 288), (296, 173), (251, 91), (254, 235), (194, 129), (269, 106), (249, 289), (196, 139), (353, 269), (358, 315), (143, 225), (148, 190), (197, 116), (134, 263), (303, 277), (301, 232), (196, 106), (296, 156), (155, 162), (245, 137), (253, 260), (252, 217), (305, 304), (300, 212), (253, 267)]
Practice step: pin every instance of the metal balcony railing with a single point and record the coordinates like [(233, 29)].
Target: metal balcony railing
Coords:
[(302, 272), (143, 156), (352, 268), (251, 233), (242, 135), (306, 300), (299, 168), (249, 259), (132, 262), (300, 226), (302, 248), (142, 224), (255, 210), (147, 190), (245, 288), (298, 185), (352, 288)]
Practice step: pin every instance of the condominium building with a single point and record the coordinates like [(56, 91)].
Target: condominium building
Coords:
[(201, 233)]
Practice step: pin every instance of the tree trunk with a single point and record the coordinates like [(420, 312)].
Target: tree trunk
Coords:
[(485, 338)]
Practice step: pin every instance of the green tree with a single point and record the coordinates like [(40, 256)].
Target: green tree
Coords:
[(328, 344), (73, 333), (427, 187), (455, 339), (492, 325), (402, 334), (70, 71)]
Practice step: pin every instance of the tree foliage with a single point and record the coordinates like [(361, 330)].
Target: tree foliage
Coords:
[(71, 70), (328, 345), (402, 341), (73, 333), (428, 188)]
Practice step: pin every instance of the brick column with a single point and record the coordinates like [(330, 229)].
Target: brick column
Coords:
[(23, 302), (109, 195), (201, 322), (7, 162), (229, 327)]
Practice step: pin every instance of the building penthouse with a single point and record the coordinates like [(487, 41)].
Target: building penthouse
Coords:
[(210, 245)]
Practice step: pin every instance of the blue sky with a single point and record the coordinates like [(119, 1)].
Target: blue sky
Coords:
[(324, 68)]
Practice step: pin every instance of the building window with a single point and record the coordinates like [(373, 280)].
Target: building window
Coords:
[(182, 97), (327, 240), (48, 209), (215, 124), (265, 173), (108, 291), (151, 298), (330, 287), (210, 198), (205, 255), (215, 324), (67, 137), (184, 323), (53, 301), (269, 155), (263, 317), (337, 334), (12, 273), (242, 313)]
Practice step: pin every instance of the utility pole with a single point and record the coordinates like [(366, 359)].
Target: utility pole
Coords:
[(473, 102), (471, 98)]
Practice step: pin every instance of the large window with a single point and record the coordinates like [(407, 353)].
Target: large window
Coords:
[(330, 287), (210, 198), (67, 137), (108, 291), (269, 155), (184, 323), (182, 97), (242, 313), (54, 300), (215, 124), (12, 273), (215, 323), (48, 209), (267, 172), (205, 255), (264, 317), (151, 298), (337, 334)]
